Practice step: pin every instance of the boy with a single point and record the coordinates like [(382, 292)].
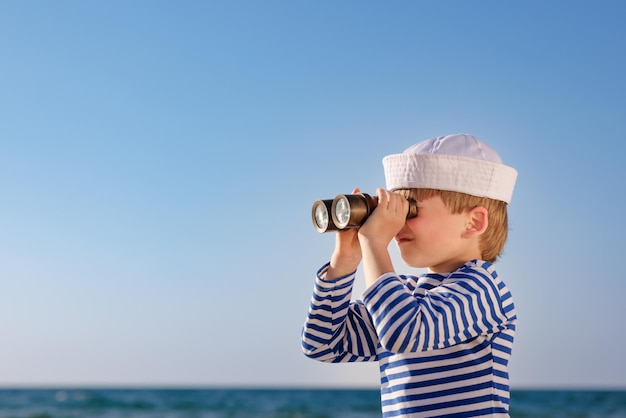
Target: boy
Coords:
[(443, 340)]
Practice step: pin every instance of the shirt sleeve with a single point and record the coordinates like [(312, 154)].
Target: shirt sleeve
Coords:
[(337, 330), (462, 307)]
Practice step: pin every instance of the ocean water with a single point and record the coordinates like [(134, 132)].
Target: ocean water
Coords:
[(273, 403)]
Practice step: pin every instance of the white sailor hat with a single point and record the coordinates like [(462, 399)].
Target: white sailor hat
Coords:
[(459, 163)]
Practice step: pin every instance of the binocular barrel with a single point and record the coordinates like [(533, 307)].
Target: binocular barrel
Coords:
[(347, 211)]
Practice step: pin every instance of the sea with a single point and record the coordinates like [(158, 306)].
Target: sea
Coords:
[(274, 403)]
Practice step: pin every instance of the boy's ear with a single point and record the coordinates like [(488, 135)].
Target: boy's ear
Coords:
[(477, 222)]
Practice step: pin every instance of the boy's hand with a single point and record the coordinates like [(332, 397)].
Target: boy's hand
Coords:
[(347, 254), (387, 219)]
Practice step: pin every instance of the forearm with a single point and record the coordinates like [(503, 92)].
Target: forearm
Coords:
[(385, 299), (337, 330), (374, 236), (376, 260), (341, 266), (346, 256)]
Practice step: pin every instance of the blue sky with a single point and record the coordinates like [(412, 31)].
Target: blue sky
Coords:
[(159, 159)]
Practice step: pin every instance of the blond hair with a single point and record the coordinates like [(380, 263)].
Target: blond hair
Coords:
[(493, 239)]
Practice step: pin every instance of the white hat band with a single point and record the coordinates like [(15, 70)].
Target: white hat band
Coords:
[(448, 172)]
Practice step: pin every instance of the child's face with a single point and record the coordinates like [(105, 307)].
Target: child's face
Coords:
[(435, 239)]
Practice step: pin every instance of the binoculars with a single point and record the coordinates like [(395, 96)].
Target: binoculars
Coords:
[(347, 211)]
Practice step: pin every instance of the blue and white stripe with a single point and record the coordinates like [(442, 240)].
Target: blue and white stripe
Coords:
[(443, 342)]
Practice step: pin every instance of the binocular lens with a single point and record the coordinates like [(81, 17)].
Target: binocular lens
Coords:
[(322, 220), (320, 215), (341, 212)]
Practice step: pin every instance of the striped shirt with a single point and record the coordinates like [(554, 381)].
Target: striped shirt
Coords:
[(443, 342)]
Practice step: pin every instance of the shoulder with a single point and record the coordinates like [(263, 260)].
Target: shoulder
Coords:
[(475, 275)]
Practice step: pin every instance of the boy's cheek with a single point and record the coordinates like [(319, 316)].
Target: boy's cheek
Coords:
[(413, 223)]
